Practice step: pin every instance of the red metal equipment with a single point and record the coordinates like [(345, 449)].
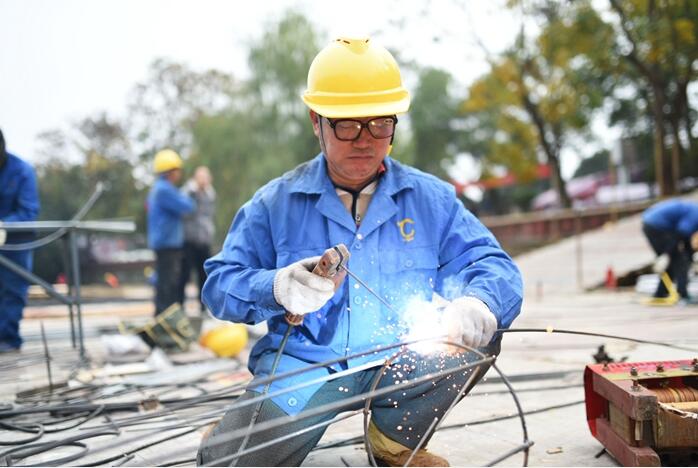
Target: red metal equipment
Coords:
[(642, 410)]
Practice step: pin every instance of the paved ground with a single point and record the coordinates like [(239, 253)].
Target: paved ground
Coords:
[(547, 369)]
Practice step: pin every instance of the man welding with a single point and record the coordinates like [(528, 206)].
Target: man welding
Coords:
[(409, 239)]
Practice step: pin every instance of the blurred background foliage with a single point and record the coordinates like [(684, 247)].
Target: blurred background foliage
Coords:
[(629, 62)]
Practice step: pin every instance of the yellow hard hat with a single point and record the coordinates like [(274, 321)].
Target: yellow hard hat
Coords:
[(166, 160), (355, 78), (227, 340)]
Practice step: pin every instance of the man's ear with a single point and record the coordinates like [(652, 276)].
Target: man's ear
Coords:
[(315, 119)]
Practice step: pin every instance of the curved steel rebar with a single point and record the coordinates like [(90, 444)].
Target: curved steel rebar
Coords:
[(99, 189), (205, 399)]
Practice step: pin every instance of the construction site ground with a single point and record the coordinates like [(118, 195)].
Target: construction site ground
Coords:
[(545, 368)]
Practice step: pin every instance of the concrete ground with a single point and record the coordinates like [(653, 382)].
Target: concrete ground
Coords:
[(546, 370)]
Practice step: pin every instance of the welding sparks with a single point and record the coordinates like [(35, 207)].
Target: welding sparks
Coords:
[(423, 320)]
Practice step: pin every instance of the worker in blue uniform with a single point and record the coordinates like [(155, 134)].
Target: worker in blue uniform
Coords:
[(409, 238), (19, 201), (166, 206), (671, 228)]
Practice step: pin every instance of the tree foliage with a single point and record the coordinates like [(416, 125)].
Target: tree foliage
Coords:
[(539, 94), (433, 110), (266, 129)]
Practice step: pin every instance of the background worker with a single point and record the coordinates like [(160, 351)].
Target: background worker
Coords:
[(408, 236), (199, 229), (166, 206), (670, 226), (19, 201)]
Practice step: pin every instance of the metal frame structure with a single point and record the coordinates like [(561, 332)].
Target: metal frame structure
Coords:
[(59, 229)]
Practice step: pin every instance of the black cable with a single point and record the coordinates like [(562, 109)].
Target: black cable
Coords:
[(67, 459), (39, 433), (510, 416), (29, 450), (600, 335), (87, 418), (142, 447), (178, 462)]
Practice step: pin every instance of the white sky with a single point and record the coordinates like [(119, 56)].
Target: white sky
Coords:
[(63, 60)]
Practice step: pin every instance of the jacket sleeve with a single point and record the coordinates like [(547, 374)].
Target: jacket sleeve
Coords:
[(26, 207), (240, 278), (473, 264), (174, 201), (688, 224)]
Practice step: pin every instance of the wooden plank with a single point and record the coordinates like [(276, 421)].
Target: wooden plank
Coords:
[(625, 454), (639, 404), (621, 424), (674, 431)]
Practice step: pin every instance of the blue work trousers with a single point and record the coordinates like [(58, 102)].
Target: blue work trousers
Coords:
[(680, 255), (13, 297), (403, 415)]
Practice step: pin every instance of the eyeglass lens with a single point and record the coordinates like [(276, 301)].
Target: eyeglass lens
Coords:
[(381, 127)]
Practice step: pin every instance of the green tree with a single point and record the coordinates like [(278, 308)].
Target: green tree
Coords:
[(658, 41), (537, 95), (103, 155), (163, 109), (265, 130), (432, 114), (648, 50)]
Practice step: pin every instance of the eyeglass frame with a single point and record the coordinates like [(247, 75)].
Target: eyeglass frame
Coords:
[(334, 123)]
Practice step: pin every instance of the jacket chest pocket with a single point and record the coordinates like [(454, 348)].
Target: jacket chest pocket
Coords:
[(395, 261), (408, 274)]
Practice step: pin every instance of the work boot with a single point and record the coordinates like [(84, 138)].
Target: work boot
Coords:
[(387, 452), (7, 348)]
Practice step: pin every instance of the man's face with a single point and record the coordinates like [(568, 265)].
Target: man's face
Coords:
[(202, 176), (350, 163), (174, 176)]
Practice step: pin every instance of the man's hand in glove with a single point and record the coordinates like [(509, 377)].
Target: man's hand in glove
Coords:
[(3, 235), (469, 321), (299, 290)]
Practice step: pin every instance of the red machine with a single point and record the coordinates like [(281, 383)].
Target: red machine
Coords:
[(642, 410)]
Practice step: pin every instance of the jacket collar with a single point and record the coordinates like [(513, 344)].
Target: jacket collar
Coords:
[(313, 178)]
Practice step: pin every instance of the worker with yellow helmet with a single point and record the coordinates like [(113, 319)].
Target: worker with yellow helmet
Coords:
[(165, 207), (409, 238)]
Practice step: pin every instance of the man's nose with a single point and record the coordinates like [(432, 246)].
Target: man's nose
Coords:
[(364, 140)]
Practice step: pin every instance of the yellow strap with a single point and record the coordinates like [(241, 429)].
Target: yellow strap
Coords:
[(381, 444)]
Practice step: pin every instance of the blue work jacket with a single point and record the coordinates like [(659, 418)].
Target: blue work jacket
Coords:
[(416, 238), (166, 206), (676, 216), (19, 196)]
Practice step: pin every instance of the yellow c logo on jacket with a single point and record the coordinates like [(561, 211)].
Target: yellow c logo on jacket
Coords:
[(406, 233)]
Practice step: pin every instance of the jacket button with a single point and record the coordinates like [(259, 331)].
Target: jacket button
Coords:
[(292, 402), (359, 236), (409, 263), (357, 300)]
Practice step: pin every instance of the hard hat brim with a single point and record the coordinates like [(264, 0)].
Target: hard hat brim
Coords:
[(365, 109)]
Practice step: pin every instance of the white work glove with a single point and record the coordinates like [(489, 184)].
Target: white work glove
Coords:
[(661, 263), (3, 235), (469, 321), (299, 290)]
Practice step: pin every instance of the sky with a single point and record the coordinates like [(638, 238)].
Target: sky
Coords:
[(63, 60)]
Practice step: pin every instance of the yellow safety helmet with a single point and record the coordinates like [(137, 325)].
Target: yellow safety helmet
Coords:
[(227, 340), (355, 78), (166, 160)]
